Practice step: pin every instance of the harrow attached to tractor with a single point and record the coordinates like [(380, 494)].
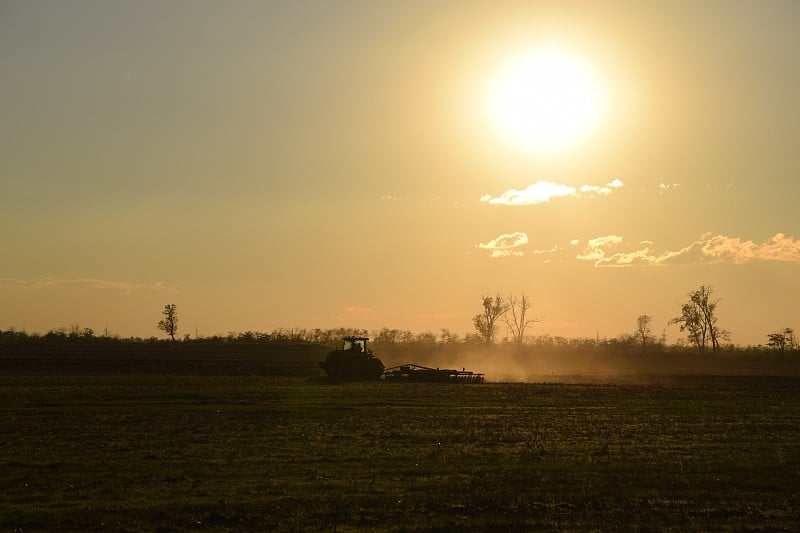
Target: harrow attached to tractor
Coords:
[(411, 373)]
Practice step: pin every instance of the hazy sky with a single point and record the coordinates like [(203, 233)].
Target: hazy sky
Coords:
[(324, 164)]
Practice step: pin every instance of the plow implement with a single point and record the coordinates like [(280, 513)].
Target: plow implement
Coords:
[(411, 373)]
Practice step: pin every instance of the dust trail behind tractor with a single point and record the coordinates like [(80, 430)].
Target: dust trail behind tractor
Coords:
[(411, 373)]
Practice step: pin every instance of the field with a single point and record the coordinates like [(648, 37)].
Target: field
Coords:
[(166, 453)]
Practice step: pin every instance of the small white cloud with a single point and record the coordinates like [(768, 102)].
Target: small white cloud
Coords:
[(536, 193), (389, 197), (506, 244), (574, 242), (604, 241), (548, 251), (663, 187), (544, 191)]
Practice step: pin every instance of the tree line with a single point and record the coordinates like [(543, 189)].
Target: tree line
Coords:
[(697, 319)]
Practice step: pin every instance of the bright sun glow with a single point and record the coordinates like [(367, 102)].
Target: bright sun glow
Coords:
[(544, 99)]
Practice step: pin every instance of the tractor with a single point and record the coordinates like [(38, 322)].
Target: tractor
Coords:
[(353, 361)]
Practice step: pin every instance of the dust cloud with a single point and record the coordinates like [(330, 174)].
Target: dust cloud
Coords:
[(594, 364)]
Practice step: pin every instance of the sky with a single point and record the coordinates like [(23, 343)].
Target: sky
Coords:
[(322, 164)]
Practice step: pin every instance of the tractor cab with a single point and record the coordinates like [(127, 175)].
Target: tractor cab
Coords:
[(356, 344)]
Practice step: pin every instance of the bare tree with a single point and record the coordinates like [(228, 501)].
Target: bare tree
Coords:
[(699, 318), (169, 324), (643, 331), (518, 319), (486, 322)]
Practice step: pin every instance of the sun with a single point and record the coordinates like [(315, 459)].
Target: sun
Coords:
[(544, 99)]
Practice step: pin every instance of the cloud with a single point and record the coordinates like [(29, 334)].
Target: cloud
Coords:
[(733, 249), (708, 249), (637, 257), (536, 193), (724, 249), (506, 244), (542, 191), (548, 251), (604, 241), (691, 253), (780, 248), (603, 191), (721, 248), (595, 189), (667, 186), (595, 251), (124, 287)]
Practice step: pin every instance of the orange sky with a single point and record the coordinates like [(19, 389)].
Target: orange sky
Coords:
[(312, 164)]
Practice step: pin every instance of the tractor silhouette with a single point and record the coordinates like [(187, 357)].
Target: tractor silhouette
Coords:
[(353, 361)]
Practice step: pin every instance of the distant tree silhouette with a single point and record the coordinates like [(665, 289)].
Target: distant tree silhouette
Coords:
[(486, 322), (643, 332), (386, 336), (449, 337), (698, 317), (427, 338), (783, 340), (518, 319), (56, 336), (169, 324), (77, 333)]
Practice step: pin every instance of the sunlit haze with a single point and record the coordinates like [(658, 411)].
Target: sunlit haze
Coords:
[(361, 164)]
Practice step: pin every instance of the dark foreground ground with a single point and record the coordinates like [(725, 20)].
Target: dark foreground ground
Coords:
[(166, 453)]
